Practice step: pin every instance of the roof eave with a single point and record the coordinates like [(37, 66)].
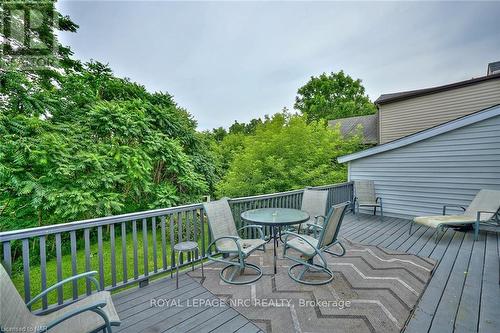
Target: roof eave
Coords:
[(434, 90), (481, 115)]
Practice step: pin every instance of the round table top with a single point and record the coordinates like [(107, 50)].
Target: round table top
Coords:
[(185, 246), (275, 216)]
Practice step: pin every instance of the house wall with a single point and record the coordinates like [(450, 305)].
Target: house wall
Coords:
[(449, 168), (399, 119)]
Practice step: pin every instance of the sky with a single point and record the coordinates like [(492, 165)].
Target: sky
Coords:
[(227, 61)]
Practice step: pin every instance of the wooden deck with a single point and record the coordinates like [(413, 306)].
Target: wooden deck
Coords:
[(185, 313), (464, 293), (462, 296)]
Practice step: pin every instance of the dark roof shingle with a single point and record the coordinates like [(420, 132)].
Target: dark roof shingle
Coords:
[(399, 96)]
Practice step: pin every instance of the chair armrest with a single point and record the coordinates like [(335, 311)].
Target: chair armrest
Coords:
[(88, 275), (377, 199), (478, 219), (317, 217), (233, 238), (288, 233), (456, 206), (94, 307), (316, 228), (258, 227)]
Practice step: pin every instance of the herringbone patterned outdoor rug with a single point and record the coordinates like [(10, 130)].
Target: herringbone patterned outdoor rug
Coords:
[(373, 290)]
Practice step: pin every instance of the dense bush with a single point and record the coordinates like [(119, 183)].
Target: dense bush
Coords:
[(94, 145), (286, 152)]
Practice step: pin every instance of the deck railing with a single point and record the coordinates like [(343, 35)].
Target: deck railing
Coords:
[(151, 234)]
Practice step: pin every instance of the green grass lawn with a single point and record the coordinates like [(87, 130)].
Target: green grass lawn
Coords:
[(51, 267)]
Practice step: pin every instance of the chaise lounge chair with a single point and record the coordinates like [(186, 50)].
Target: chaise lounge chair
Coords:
[(364, 196), (484, 207), (310, 247), (227, 241), (91, 314)]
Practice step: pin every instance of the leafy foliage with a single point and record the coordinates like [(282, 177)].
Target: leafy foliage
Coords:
[(286, 152), (96, 145), (333, 96)]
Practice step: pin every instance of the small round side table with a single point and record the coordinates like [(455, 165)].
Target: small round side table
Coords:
[(186, 247)]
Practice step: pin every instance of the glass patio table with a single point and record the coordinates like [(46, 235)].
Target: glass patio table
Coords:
[(275, 218)]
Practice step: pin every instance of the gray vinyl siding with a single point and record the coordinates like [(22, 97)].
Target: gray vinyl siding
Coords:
[(449, 168), (402, 118)]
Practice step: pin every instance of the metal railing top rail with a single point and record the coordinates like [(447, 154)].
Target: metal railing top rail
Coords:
[(102, 221), (99, 221), (326, 187), (264, 196), (278, 194)]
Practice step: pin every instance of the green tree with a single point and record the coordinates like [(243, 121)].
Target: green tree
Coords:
[(245, 128), (218, 133), (97, 145), (78, 142), (333, 96), (228, 148), (286, 152)]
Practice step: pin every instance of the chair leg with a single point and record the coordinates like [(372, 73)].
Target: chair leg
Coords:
[(409, 231), (336, 254), (231, 277), (301, 275), (177, 271), (192, 261), (476, 230), (240, 269), (202, 271), (316, 267), (381, 212)]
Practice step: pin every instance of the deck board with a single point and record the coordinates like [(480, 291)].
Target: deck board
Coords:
[(371, 237), (215, 322), (467, 317), (445, 315), (464, 293), (489, 320), (138, 315), (462, 296)]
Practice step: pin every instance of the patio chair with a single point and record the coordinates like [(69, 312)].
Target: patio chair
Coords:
[(364, 196), (484, 207), (310, 247), (228, 242), (91, 314), (314, 203)]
